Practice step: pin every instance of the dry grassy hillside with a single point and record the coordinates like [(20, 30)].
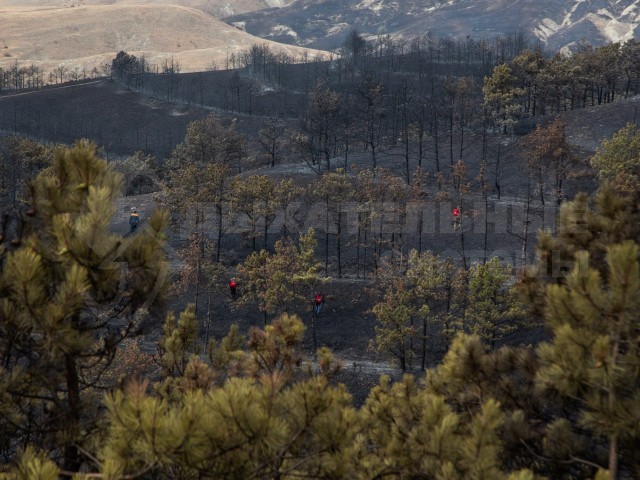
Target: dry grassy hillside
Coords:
[(213, 7), (88, 36)]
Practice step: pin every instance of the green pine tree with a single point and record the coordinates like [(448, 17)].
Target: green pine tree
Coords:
[(493, 309), (500, 95), (270, 420), (618, 159), (594, 357), (412, 432), (282, 281), (71, 291), (584, 285), (395, 328)]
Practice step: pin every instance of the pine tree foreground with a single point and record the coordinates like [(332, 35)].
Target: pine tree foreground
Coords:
[(71, 291)]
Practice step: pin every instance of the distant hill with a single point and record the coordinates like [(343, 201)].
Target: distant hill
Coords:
[(88, 36), (556, 24), (216, 8)]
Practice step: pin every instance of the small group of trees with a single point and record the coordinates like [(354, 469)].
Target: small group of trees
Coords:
[(124, 66), (128, 68), (543, 85), (26, 77), (428, 300), (282, 281), (210, 200), (16, 77)]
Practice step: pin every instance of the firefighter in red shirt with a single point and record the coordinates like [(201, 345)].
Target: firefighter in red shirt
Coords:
[(233, 285), (318, 301), (456, 218)]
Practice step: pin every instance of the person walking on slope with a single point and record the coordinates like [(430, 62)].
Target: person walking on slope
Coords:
[(318, 301), (233, 286), (134, 219), (456, 218)]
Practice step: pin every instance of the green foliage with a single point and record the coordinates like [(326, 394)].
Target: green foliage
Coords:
[(429, 292), (535, 434), (439, 289), (414, 433), (34, 465), (629, 59), (124, 65), (585, 287), (24, 159), (493, 308), (255, 426), (594, 357), (198, 195), (471, 375), (255, 197), (223, 356), (283, 280), (178, 341), (270, 420), (193, 187), (71, 291), (618, 159), (584, 224), (500, 95), (275, 350), (210, 141), (335, 189), (395, 329), (261, 198)]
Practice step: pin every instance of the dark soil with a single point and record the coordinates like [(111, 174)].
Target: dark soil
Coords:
[(131, 121)]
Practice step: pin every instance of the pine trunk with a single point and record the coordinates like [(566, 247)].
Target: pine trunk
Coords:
[(326, 240), (613, 437), (219, 232), (338, 242), (71, 460), (313, 333)]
